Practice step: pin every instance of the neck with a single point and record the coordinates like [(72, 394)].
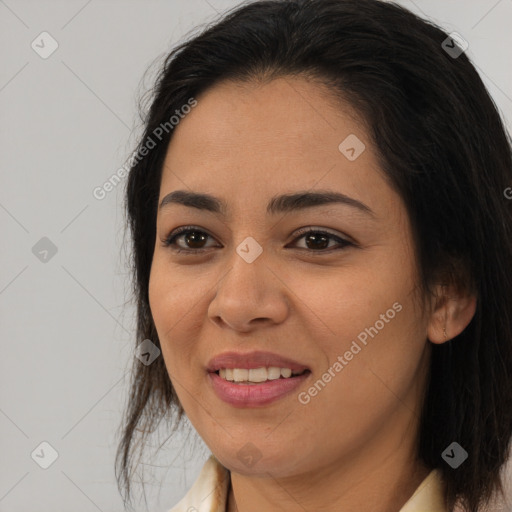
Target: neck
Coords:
[(370, 499), (381, 479)]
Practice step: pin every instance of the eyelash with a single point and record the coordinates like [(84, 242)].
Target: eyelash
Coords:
[(170, 240)]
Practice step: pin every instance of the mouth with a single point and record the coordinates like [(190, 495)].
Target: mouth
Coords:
[(255, 376), (254, 379)]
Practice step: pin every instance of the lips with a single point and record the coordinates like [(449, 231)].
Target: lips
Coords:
[(252, 360)]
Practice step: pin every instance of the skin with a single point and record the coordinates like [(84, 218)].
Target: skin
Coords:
[(352, 447)]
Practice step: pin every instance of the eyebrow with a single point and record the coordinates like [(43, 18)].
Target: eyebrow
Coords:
[(278, 204)]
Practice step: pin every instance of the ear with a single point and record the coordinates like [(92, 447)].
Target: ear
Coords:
[(452, 310)]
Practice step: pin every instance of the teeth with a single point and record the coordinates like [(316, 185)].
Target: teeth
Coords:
[(240, 374), (273, 373), (286, 372), (256, 374)]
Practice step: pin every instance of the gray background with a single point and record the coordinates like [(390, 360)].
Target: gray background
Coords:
[(68, 122)]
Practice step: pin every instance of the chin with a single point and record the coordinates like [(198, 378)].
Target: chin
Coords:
[(252, 461)]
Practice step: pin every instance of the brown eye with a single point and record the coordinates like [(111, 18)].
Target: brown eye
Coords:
[(318, 241), (193, 238)]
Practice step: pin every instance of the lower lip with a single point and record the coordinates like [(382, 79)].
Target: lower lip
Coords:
[(255, 395)]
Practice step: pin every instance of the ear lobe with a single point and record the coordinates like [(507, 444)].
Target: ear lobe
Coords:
[(451, 314)]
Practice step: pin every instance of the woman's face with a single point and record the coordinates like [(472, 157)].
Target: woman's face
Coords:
[(339, 301)]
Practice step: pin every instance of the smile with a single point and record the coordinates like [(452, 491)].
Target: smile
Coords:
[(257, 375), (246, 393)]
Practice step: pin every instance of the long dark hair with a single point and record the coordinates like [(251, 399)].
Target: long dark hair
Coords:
[(442, 145)]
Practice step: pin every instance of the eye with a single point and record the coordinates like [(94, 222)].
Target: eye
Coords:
[(316, 240), (319, 239), (192, 235)]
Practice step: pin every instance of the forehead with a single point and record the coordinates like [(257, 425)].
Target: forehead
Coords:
[(291, 114), (248, 140)]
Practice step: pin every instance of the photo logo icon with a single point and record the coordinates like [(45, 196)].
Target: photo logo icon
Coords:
[(249, 249), (352, 147), (455, 45), (44, 45), (454, 455), (44, 455), (146, 352), (44, 250), (249, 455)]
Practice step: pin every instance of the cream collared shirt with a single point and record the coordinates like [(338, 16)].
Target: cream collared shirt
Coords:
[(210, 492)]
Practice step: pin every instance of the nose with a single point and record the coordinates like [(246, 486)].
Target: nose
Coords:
[(249, 295)]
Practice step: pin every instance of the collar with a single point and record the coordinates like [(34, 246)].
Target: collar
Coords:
[(209, 492)]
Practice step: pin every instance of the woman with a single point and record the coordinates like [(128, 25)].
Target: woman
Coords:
[(321, 245)]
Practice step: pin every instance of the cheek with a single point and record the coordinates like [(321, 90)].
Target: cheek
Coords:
[(379, 362), (173, 300), (336, 305), (173, 293), (365, 317)]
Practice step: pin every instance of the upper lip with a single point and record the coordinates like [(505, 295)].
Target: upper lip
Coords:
[(251, 360)]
